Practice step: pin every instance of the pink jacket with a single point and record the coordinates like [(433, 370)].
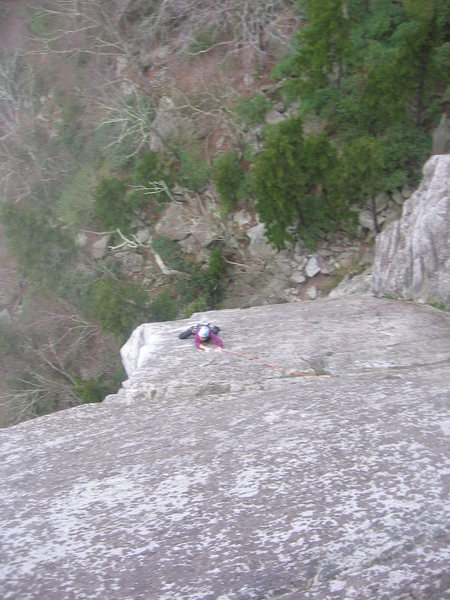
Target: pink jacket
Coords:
[(212, 336)]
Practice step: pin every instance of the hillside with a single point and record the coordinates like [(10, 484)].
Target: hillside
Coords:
[(214, 476)]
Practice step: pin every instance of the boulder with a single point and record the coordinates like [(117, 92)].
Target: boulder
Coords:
[(190, 224), (273, 117), (381, 202), (143, 235), (297, 277), (259, 247), (81, 239), (312, 266), (167, 124), (412, 255), (365, 218), (99, 248), (5, 316)]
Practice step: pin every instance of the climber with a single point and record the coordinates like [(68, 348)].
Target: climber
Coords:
[(204, 333)]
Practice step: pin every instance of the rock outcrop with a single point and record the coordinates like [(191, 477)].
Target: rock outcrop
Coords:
[(412, 255), (212, 475)]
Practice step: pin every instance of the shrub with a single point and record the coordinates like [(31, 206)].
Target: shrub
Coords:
[(91, 390), (148, 169), (194, 170), (252, 110), (163, 308), (76, 203), (111, 204), (198, 305), (42, 250), (203, 286), (229, 177), (119, 306), (214, 278), (170, 252), (217, 266)]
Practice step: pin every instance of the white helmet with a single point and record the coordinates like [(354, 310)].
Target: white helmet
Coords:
[(203, 332)]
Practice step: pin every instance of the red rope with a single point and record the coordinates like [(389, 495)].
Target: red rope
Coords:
[(290, 372)]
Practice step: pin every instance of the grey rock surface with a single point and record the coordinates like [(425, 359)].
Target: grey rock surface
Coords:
[(412, 256), (215, 476)]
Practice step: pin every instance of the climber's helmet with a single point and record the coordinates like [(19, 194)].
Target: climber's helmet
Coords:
[(203, 333)]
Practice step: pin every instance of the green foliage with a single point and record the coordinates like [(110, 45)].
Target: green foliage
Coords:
[(74, 285), (163, 308), (117, 152), (404, 150), (292, 184), (112, 206), (170, 252), (229, 177), (215, 274), (357, 10), (373, 73), (217, 266), (358, 175), (200, 287), (323, 45), (198, 305), (194, 170), (42, 23), (95, 389), (252, 110), (382, 19), (76, 203), (41, 250), (419, 40), (119, 306), (146, 169), (203, 40), (440, 306), (151, 168), (92, 390)]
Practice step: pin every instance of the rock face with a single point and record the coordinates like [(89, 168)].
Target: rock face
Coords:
[(212, 475), (412, 256)]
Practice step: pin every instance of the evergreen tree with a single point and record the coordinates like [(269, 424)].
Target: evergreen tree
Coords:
[(324, 43), (359, 174), (292, 184), (424, 47)]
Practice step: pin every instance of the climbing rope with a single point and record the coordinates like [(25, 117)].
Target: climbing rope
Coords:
[(288, 372)]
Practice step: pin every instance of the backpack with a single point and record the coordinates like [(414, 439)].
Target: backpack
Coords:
[(191, 331)]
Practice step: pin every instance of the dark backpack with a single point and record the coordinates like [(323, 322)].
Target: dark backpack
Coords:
[(191, 331)]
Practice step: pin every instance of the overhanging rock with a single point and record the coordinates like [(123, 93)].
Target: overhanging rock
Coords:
[(212, 476)]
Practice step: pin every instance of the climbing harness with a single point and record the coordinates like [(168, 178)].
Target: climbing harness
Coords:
[(286, 372)]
